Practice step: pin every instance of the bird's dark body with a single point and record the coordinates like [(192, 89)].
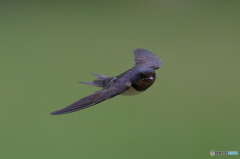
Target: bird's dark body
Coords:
[(139, 78)]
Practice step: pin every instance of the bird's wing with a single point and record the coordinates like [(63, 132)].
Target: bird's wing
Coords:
[(147, 58), (112, 90)]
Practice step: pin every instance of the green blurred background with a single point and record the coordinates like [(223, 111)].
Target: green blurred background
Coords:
[(47, 47)]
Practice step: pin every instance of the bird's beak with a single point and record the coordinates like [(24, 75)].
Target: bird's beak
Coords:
[(150, 79)]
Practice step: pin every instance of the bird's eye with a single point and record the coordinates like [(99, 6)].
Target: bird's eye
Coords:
[(141, 75)]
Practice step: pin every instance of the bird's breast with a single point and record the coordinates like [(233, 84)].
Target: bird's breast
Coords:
[(131, 92)]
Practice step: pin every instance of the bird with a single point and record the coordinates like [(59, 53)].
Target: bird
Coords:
[(131, 82)]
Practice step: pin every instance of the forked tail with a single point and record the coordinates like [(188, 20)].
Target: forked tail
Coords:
[(101, 81)]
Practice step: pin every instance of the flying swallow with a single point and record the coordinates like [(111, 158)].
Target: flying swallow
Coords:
[(134, 81)]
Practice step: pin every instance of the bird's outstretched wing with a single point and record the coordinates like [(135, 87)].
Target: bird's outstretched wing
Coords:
[(112, 90), (147, 58)]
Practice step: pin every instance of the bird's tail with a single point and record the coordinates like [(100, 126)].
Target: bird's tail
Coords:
[(101, 81)]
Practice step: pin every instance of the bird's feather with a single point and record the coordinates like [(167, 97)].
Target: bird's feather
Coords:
[(101, 81), (95, 98), (147, 58)]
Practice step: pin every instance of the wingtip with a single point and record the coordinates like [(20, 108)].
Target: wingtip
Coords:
[(54, 113), (82, 82), (143, 56), (58, 113)]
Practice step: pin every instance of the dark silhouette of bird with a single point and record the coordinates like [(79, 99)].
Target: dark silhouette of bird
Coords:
[(134, 81)]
